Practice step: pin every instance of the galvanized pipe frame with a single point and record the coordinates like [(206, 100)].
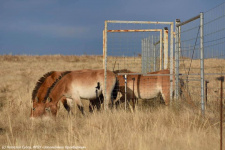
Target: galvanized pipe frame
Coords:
[(177, 56), (138, 30), (136, 22), (105, 64), (165, 43), (202, 61), (154, 56)]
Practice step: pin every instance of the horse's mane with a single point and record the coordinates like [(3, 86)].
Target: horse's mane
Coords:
[(39, 83), (53, 85)]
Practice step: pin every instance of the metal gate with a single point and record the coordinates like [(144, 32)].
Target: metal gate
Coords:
[(129, 46), (189, 50)]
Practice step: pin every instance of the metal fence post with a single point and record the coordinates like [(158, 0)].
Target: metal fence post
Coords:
[(177, 57), (171, 61), (154, 55), (221, 79), (125, 78), (202, 61), (105, 69), (142, 55), (148, 55), (103, 49), (161, 52), (165, 43)]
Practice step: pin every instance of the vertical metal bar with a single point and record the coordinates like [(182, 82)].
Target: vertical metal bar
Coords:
[(133, 94), (221, 113), (177, 60), (221, 79), (105, 70), (147, 58), (206, 91), (103, 49), (154, 56), (202, 61), (149, 54), (179, 44), (142, 55), (160, 59), (125, 78), (165, 36), (171, 61)]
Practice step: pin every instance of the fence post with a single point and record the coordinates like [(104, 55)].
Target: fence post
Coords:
[(221, 79), (105, 68), (161, 52), (125, 78), (154, 57), (171, 60), (142, 55), (202, 61), (103, 49), (206, 91), (148, 55), (165, 54), (153, 52), (177, 59)]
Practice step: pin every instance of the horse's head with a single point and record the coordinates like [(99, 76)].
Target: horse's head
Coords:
[(43, 109), (37, 110), (51, 107)]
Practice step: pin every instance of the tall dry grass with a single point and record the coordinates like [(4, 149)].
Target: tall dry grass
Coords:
[(149, 127)]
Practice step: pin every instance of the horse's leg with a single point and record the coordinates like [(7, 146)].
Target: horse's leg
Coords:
[(122, 98), (77, 99), (166, 94), (65, 104), (81, 108), (91, 106), (98, 102)]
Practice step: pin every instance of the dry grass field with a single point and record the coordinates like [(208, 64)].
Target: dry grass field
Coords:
[(151, 126)]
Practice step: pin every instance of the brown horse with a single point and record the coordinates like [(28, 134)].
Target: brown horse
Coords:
[(43, 85), (146, 87), (77, 85), (40, 91)]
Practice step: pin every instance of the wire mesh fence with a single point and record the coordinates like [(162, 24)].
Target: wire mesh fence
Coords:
[(136, 47), (189, 57), (139, 47), (150, 53), (214, 53)]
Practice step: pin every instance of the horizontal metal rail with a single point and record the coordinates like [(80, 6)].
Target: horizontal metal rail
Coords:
[(138, 22), (187, 21), (144, 74), (197, 74), (138, 30), (191, 74)]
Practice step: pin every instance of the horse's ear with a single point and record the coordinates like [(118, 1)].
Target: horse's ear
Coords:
[(36, 99), (48, 109), (49, 99)]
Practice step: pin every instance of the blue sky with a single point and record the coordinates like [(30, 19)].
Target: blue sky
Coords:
[(74, 27)]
